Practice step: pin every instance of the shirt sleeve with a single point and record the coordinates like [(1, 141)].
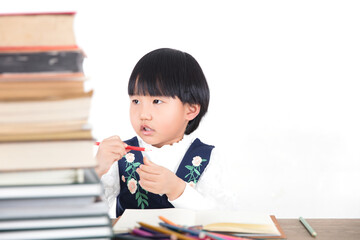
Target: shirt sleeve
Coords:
[(210, 191), (111, 184)]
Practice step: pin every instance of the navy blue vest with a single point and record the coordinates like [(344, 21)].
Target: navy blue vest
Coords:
[(133, 196)]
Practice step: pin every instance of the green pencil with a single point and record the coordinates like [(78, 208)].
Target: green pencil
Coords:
[(308, 227)]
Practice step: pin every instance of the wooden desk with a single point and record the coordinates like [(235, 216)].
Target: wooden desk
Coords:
[(326, 229)]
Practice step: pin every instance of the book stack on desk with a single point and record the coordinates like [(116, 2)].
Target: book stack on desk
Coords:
[(48, 187)]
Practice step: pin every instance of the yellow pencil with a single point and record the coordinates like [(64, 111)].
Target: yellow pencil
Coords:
[(165, 231)]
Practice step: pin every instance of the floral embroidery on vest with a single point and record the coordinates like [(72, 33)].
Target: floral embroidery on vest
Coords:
[(194, 170), (132, 181)]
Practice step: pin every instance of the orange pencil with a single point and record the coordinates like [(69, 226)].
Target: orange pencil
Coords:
[(165, 220)]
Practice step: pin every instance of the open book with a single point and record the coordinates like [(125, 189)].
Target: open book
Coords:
[(238, 223)]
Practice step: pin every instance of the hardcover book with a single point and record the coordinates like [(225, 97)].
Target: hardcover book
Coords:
[(41, 61), (18, 31)]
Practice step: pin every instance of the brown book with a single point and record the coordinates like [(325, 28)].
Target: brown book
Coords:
[(13, 129), (281, 231), (67, 113), (33, 90), (25, 77), (36, 29), (67, 107), (44, 136)]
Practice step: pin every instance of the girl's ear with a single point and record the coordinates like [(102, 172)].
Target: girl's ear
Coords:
[(192, 110)]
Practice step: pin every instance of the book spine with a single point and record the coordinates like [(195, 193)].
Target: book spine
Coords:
[(32, 62)]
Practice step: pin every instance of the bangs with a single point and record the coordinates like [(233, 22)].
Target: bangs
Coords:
[(158, 75), (151, 86)]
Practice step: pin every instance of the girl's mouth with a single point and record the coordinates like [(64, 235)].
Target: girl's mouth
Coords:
[(146, 130)]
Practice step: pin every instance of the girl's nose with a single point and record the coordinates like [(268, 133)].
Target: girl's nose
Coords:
[(145, 115)]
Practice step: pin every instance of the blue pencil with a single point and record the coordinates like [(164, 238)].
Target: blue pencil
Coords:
[(196, 233)]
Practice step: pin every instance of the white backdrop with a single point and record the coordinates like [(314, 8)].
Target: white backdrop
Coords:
[(284, 81)]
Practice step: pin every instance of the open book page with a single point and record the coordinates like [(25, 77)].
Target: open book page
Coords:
[(130, 217), (238, 222)]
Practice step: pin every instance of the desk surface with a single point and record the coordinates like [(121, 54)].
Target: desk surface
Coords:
[(326, 229), (347, 229)]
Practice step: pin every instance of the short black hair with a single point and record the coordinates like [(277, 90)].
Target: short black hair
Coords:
[(172, 73)]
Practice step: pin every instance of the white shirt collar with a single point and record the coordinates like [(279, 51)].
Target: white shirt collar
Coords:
[(168, 156)]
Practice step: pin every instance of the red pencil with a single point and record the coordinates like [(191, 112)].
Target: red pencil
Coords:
[(130, 147)]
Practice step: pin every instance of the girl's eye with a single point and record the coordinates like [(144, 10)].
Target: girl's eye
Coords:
[(157, 101), (135, 101)]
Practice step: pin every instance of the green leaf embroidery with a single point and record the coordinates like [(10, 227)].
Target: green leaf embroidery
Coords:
[(128, 168), (140, 197), (189, 167), (194, 172)]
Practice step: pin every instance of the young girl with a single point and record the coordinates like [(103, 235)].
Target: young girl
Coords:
[(169, 96)]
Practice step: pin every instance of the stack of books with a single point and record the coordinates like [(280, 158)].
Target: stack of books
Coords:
[(48, 187)]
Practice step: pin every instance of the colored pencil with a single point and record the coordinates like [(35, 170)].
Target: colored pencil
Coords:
[(147, 234), (308, 227), (165, 220), (130, 147), (165, 231), (128, 237), (196, 233)]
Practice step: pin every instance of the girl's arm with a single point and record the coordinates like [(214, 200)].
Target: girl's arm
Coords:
[(111, 183), (109, 152), (213, 190)]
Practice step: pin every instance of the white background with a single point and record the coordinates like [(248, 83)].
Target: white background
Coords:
[(284, 81)]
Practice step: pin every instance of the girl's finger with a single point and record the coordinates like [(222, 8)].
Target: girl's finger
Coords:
[(150, 169), (148, 186), (146, 176), (148, 162), (113, 137)]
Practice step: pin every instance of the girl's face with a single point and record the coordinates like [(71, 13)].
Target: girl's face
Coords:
[(159, 120)]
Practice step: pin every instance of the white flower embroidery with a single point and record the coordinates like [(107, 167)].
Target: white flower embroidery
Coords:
[(130, 157), (196, 161), (132, 185)]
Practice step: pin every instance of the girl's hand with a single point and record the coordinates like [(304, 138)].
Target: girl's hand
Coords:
[(110, 150), (160, 180)]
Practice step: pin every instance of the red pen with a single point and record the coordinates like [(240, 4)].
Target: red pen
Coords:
[(130, 147)]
